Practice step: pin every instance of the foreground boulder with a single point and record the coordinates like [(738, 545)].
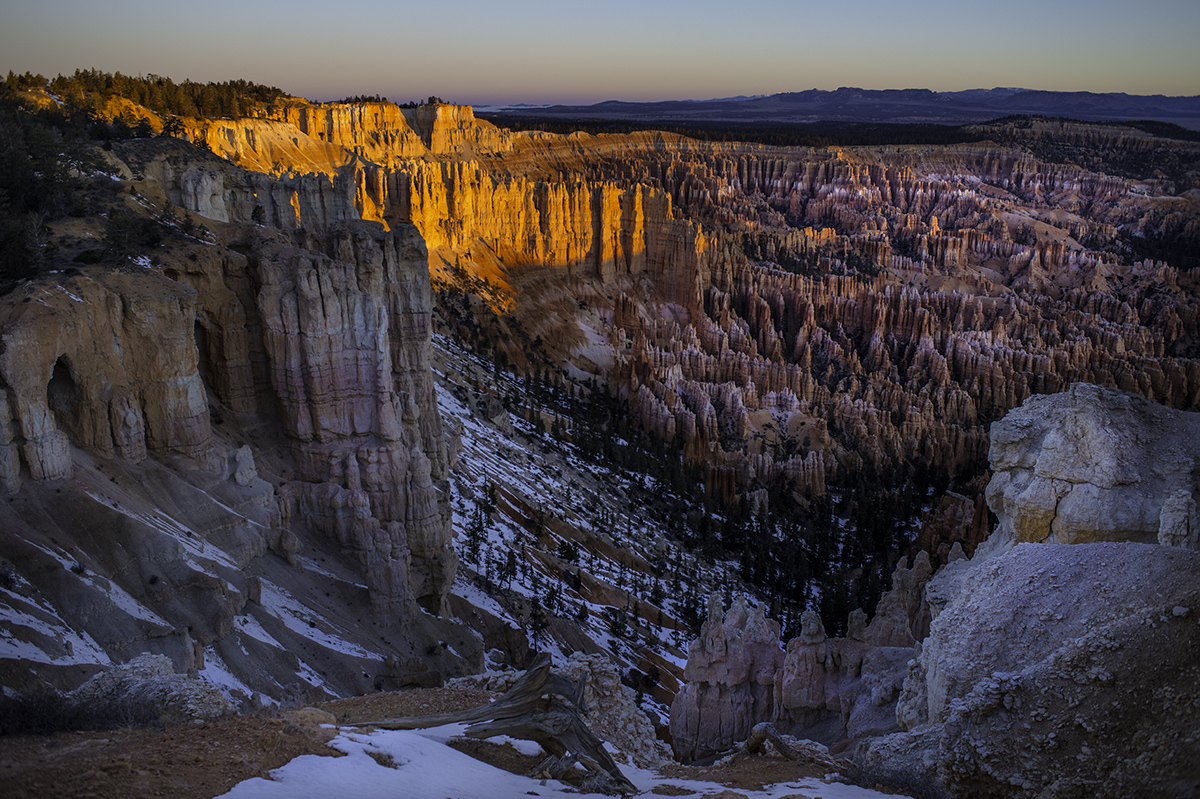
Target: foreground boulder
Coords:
[(148, 687), (612, 709), (1057, 671)]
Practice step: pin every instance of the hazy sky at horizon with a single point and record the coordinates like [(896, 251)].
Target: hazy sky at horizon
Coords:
[(571, 51)]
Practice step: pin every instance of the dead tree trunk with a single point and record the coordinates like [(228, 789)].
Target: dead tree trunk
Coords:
[(541, 706)]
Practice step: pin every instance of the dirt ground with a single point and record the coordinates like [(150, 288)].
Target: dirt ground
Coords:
[(413, 702), (196, 761), (203, 760), (189, 761), (747, 772)]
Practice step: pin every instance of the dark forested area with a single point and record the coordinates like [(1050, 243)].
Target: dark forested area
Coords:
[(234, 98), (51, 169), (808, 134)]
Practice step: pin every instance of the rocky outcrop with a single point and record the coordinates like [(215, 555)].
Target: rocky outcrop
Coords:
[(819, 675), (602, 229), (613, 712), (106, 362), (336, 344), (1028, 671), (731, 673), (1095, 464), (612, 709), (147, 686), (347, 340), (1058, 670), (323, 137), (823, 688), (902, 616)]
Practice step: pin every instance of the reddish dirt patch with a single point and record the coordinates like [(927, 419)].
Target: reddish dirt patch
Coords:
[(188, 761), (197, 761)]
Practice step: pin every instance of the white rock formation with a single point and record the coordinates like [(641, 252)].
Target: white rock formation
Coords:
[(1094, 464), (1060, 670), (149, 685)]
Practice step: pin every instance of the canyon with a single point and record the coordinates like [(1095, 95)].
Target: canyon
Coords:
[(786, 320), (293, 450)]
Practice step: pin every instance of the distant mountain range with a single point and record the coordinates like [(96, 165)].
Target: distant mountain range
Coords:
[(892, 105)]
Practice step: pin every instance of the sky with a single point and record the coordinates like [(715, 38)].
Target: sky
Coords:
[(586, 51)]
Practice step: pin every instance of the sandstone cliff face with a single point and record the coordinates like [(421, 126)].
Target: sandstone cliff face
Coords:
[(334, 338), (325, 137), (337, 346), (144, 384), (347, 339)]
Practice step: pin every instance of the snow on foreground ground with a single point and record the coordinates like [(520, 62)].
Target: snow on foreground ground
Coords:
[(421, 766)]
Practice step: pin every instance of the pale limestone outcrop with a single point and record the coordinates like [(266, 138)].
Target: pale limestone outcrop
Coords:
[(1053, 665), (148, 689), (1095, 464), (315, 197), (203, 191), (821, 688), (244, 472)]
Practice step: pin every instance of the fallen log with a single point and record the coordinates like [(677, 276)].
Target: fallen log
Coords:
[(542, 707), (765, 732)]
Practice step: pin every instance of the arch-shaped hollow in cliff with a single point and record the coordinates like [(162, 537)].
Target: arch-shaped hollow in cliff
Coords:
[(62, 396), (203, 362)]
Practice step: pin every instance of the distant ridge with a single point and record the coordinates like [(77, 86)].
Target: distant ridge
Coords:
[(849, 104)]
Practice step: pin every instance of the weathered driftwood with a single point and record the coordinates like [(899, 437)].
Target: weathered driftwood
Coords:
[(541, 706), (765, 732)]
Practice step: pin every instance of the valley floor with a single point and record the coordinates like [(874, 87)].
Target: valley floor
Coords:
[(299, 754)]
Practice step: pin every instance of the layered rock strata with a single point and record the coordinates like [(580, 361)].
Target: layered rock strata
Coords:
[(337, 345), (347, 343)]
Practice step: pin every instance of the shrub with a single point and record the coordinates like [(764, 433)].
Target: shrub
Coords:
[(49, 711)]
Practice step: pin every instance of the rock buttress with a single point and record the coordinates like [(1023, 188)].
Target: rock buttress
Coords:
[(346, 331)]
